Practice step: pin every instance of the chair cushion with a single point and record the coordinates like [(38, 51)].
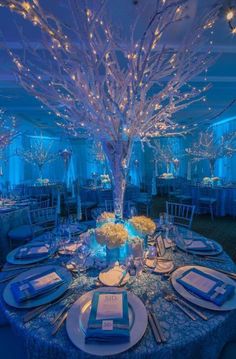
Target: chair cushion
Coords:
[(207, 200), (23, 232)]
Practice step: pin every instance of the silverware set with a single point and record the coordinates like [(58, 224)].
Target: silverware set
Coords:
[(154, 322), (34, 313), (185, 307)]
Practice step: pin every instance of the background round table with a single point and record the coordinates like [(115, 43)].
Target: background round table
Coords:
[(185, 338)]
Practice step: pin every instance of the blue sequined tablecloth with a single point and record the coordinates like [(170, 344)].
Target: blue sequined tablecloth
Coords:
[(186, 339)]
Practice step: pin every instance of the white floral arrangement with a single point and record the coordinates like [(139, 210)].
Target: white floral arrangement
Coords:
[(104, 216), (105, 179), (43, 181), (167, 175), (206, 180), (112, 235), (143, 224)]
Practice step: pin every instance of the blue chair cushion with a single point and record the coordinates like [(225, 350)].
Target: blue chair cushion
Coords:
[(207, 199), (23, 232)]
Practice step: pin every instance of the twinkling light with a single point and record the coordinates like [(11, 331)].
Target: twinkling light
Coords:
[(211, 148), (8, 129), (39, 154), (116, 90)]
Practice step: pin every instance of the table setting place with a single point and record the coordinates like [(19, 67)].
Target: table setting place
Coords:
[(105, 306)]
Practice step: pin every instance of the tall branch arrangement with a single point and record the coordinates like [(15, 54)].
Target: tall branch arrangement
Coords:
[(211, 148), (38, 154), (118, 87), (165, 153), (7, 129)]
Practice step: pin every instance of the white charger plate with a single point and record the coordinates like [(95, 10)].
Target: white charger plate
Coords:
[(12, 260), (111, 276), (75, 228), (77, 321), (228, 305), (218, 248), (44, 298)]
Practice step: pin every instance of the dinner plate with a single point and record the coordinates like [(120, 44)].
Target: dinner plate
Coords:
[(112, 276), (75, 229), (12, 260), (44, 298), (218, 248), (77, 321), (159, 267), (193, 298)]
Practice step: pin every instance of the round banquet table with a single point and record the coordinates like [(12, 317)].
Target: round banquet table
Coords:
[(185, 338)]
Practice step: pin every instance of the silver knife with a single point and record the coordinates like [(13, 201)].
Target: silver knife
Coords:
[(35, 312), (58, 326), (157, 324), (122, 277), (196, 311), (184, 310), (154, 329)]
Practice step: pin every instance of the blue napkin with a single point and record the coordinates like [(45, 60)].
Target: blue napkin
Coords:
[(207, 246), (214, 290), (108, 321), (31, 251), (36, 285)]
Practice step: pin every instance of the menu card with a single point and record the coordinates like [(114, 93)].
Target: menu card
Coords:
[(110, 306), (45, 280), (199, 281), (32, 251)]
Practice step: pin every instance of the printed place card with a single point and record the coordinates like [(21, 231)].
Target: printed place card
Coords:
[(45, 280), (110, 306), (199, 281), (35, 250)]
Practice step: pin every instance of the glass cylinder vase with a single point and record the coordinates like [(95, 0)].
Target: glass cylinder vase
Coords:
[(112, 255)]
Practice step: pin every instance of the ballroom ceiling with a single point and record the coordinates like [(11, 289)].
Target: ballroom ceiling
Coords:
[(222, 75)]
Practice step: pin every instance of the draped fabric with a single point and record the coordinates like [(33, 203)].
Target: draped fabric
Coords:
[(84, 163), (225, 167)]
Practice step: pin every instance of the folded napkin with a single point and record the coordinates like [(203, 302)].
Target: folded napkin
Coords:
[(32, 251), (109, 319), (199, 245), (206, 286), (36, 285)]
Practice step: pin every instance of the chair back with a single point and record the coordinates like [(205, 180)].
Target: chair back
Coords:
[(182, 213), (41, 204), (104, 195), (207, 192), (44, 217)]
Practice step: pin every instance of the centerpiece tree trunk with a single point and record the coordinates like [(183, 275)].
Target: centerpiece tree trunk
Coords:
[(212, 166), (118, 154)]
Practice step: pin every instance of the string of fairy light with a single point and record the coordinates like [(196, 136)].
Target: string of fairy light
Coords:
[(230, 16), (8, 129), (60, 41)]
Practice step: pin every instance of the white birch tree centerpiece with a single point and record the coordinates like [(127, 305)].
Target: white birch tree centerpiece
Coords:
[(210, 147), (118, 87)]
